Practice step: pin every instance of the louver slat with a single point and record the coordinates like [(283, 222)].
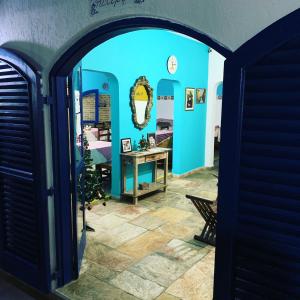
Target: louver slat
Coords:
[(271, 71), (17, 192), (267, 264)]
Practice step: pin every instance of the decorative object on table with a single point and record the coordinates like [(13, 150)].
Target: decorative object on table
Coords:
[(143, 144), (144, 186), (200, 96), (90, 184), (151, 140), (189, 98), (141, 101), (126, 145), (172, 64)]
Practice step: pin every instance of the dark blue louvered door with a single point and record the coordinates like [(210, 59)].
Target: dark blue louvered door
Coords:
[(23, 215), (258, 234)]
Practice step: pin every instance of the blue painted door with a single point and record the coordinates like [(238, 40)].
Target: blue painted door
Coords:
[(78, 164), (258, 232), (24, 250)]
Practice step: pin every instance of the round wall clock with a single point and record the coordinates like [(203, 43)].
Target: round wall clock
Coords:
[(172, 64)]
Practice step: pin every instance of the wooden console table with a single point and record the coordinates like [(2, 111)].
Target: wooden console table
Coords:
[(137, 158)]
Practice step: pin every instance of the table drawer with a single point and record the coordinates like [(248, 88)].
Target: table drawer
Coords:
[(140, 160), (153, 157)]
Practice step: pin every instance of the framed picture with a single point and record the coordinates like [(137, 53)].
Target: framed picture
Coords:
[(189, 98), (200, 96), (151, 140), (126, 145)]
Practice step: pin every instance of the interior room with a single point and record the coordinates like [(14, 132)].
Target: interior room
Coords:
[(150, 100)]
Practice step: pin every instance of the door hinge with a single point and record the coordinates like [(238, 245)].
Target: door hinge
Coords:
[(50, 191), (48, 100)]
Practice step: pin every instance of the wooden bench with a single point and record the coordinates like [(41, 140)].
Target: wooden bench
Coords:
[(208, 210)]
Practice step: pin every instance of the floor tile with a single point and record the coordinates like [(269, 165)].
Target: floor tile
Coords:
[(165, 296), (195, 221), (196, 283), (148, 221), (179, 201), (145, 244), (119, 235), (131, 212), (132, 250), (104, 223), (170, 214), (99, 271), (89, 288), (177, 230), (159, 269), (137, 286), (111, 206), (184, 253), (106, 256)]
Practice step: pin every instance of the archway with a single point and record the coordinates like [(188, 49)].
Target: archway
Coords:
[(59, 73)]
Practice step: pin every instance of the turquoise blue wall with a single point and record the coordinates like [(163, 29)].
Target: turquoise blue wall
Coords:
[(220, 90), (165, 88), (145, 52), (94, 80)]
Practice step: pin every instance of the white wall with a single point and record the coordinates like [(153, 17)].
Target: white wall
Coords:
[(45, 29), (215, 76), (165, 109)]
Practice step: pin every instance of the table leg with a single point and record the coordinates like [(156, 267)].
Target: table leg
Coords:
[(166, 171), (135, 182), (154, 177), (124, 175)]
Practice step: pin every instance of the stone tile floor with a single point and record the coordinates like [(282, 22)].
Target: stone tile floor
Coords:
[(147, 251)]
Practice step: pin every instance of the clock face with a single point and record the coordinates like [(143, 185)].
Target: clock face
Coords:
[(172, 64)]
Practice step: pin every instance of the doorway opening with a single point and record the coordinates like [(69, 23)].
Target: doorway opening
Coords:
[(165, 117), (159, 226)]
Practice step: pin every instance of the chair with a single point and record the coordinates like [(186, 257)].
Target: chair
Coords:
[(104, 131), (208, 210)]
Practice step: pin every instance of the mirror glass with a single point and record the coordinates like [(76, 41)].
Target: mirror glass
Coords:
[(141, 102)]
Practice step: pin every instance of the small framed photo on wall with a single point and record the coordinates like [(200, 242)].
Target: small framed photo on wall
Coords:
[(189, 98), (126, 145), (200, 96), (151, 140)]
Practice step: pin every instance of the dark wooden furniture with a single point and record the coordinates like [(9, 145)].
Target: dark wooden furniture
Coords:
[(104, 131), (104, 170), (163, 125), (208, 211), (137, 158)]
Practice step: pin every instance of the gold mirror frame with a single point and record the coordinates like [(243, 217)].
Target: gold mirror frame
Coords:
[(141, 81)]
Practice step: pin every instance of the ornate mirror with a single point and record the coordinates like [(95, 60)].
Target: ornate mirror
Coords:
[(141, 101)]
